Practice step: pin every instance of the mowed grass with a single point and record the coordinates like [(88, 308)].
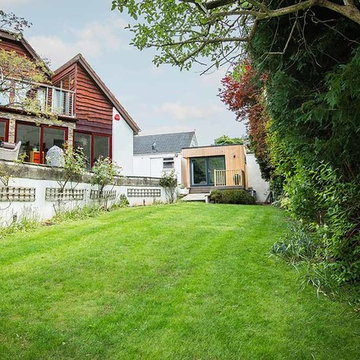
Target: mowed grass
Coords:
[(186, 281)]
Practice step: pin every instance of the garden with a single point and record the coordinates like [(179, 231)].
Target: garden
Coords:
[(185, 281)]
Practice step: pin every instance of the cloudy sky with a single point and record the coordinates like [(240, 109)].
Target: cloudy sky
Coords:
[(159, 99)]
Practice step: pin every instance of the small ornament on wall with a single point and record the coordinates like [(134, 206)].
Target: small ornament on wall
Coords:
[(117, 117)]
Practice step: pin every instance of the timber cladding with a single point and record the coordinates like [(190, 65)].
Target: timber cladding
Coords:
[(234, 158), (92, 104), (93, 109), (22, 48), (234, 154), (10, 45)]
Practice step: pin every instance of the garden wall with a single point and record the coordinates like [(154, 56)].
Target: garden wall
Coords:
[(32, 192)]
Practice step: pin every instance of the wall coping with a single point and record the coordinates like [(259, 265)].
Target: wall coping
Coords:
[(46, 172)]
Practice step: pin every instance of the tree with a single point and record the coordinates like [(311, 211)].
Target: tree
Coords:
[(226, 140), (310, 53), (20, 76), (13, 23), (186, 31), (19, 79), (243, 93)]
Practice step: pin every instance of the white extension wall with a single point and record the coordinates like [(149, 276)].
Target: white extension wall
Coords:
[(151, 165), (122, 144), (255, 180)]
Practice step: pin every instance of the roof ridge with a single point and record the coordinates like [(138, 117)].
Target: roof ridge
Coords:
[(174, 133)]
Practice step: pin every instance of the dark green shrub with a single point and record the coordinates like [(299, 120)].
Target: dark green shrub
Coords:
[(233, 196)]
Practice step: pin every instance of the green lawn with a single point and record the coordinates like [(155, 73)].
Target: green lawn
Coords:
[(187, 281)]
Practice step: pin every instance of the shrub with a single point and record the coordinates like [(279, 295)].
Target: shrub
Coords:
[(169, 182), (104, 172), (298, 244), (232, 197), (121, 203), (78, 213), (74, 166), (23, 225)]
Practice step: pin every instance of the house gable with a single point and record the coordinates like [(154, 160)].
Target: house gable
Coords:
[(94, 101), (10, 42), (13, 45)]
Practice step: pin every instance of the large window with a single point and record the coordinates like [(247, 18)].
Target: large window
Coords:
[(198, 170), (94, 146), (3, 130), (83, 141), (202, 169), (215, 163), (37, 140), (61, 102), (53, 137), (101, 147)]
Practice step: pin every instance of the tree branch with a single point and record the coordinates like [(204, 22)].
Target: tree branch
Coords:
[(205, 41)]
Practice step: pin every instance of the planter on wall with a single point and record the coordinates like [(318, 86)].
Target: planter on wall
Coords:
[(17, 194)]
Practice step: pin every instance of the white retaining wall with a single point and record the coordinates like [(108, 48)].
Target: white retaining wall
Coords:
[(139, 191), (42, 209)]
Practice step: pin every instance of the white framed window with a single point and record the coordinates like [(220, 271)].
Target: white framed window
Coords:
[(168, 163)]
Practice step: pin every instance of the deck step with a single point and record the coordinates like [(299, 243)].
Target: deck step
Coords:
[(196, 197), (201, 189)]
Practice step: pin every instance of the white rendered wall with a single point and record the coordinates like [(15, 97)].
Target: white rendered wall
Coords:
[(255, 180), (151, 165), (41, 209), (122, 144)]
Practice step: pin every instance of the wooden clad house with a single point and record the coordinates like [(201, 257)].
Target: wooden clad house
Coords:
[(87, 114), (209, 167)]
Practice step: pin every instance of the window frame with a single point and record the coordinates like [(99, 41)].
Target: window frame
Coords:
[(6, 135), (92, 142), (168, 160), (207, 173), (42, 127)]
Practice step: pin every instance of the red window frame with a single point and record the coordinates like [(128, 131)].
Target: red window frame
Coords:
[(6, 135), (42, 127), (92, 135)]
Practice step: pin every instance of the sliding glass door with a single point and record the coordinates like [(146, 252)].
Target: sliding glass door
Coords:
[(202, 169), (215, 163), (37, 140), (198, 170)]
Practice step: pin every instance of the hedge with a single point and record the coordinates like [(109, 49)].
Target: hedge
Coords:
[(234, 196)]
